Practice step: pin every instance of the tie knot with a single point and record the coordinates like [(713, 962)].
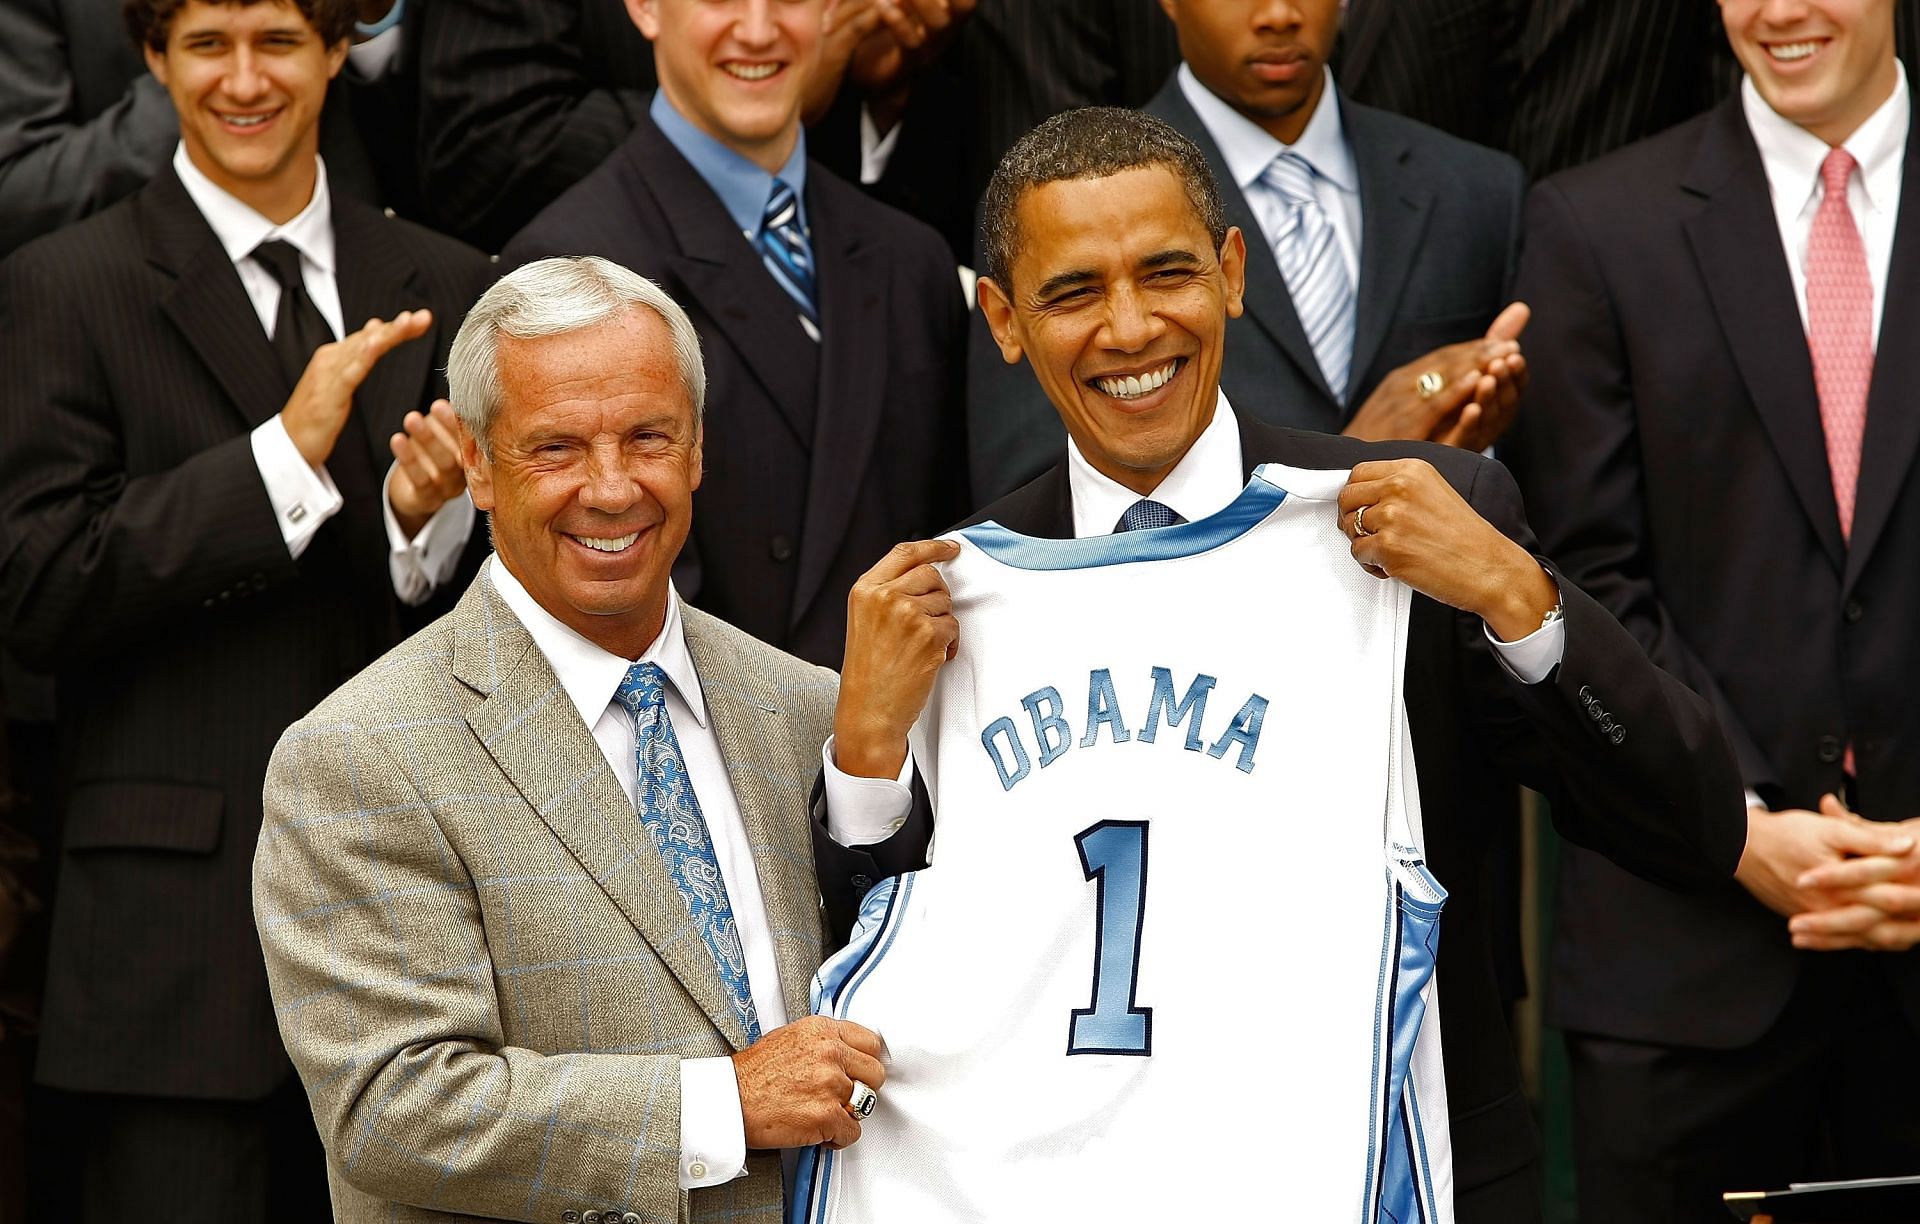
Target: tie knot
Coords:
[(644, 687), (281, 261), (783, 207), (1292, 176), (1147, 513), (1836, 170)]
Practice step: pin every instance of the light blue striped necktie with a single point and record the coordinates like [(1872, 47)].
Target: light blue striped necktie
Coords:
[(1308, 252), (671, 813), (785, 250)]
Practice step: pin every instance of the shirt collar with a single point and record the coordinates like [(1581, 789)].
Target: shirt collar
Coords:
[(1792, 155), (1248, 149), (588, 674), (743, 187), (240, 229), (1206, 479)]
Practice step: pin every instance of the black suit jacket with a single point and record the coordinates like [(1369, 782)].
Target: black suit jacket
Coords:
[(808, 481), (1677, 469), (1655, 801), (142, 563), (1440, 238), (1404, 56)]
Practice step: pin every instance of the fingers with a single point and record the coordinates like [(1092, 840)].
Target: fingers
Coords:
[(1830, 805), (1854, 873), (865, 1041), (1509, 323), (865, 1068), (910, 555), (1841, 930), (1865, 838)]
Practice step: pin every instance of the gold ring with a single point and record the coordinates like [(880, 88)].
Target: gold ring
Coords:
[(1359, 523), (1430, 384)]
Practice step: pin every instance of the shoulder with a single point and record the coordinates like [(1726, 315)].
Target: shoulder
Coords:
[(881, 224), (740, 655), (1634, 171), (610, 212), (410, 683), (1448, 162), (108, 243)]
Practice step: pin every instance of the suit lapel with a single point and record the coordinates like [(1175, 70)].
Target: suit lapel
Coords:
[(746, 716), (1394, 206), (1736, 240), (1893, 427), (534, 735), (853, 372), (377, 277), (722, 272), (1268, 303), (207, 301)]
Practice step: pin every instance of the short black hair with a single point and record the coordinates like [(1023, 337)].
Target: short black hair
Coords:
[(151, 21), (1093, 142)]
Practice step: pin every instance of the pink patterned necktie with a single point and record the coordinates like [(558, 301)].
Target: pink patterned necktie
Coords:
[(1840, 329)]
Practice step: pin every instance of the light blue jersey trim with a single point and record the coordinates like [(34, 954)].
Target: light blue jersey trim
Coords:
[(1259, 499)]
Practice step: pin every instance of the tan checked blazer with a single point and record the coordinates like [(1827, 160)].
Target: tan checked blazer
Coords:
[(479, 964)]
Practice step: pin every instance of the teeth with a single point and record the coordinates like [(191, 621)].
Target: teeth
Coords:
[(247, 120), (753, 72), (1794, 51), (1133, 387), (617, 544)]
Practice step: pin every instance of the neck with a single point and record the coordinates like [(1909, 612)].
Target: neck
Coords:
[(1290, 127), (1840, 129), (279, 198), (770, 154)]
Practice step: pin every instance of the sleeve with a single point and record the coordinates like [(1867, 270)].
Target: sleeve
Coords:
[(384, 987), (56, 167), (1575, 449), (303, 496), (93, 557), (427, 562), (510, 113)]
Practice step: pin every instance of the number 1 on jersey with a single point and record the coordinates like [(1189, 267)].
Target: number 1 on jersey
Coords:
[(1113, 853)]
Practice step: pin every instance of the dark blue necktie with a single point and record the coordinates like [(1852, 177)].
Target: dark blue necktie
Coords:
[(785, 250), (1147, 513), (671, 812)]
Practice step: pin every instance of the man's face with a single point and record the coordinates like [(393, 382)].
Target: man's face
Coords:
[(595, 459), (737, 69), (248, 82), (1120, 303), (1826, 65), (1265, 58)]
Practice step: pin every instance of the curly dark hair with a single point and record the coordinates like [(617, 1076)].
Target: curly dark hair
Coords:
[(150, 21)]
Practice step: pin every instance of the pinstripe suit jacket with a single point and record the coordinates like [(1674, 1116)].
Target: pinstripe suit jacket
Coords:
[(479, 963), (141, 563)]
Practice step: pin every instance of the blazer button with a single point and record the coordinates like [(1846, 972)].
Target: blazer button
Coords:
[(569, 1217), (1830, 749), (630, 1218), (1618, 736), (1854, 611), (592, 1217), (780, 548), (862, 882)]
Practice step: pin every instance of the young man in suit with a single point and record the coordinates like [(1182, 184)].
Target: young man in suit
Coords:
[(1725, 457), (1380, 252), (535, 892), (219, 500), (831, 324), (1112, 257)]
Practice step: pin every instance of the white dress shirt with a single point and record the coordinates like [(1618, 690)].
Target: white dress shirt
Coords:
[(1791, 156), (713, 1140), (1203, 483), (1248, 150), (304, 496)]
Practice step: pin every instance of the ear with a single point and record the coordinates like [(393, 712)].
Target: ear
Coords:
[(699, 459), (1233, 265), (478, 467), (156, 63), (998, 310), (1172, 9), (337, 57), (646, 15)]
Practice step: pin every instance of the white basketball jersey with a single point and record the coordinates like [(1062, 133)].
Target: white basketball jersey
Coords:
[(1173, 957)]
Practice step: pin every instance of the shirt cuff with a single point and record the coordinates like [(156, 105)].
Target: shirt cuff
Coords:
[(1533, 658), (1754, 800), (875, 150), (303, 495), (862, 811), (428, 560), (713, 1135)]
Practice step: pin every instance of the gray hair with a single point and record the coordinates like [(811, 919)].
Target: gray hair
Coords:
[(1093, 142), (551, 297)]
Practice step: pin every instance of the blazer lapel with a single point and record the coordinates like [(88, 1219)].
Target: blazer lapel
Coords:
[(534, 734), (853, 284), (207, 301), (376, 277), (746, 716), (1893, 427), (1736, 240), (722, 272), (1267, 301), (1394, 206)]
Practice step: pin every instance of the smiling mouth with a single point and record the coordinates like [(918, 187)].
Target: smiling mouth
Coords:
[(606, 544), (245, 121), (1135, 386), (1793, 52), (751, 72)]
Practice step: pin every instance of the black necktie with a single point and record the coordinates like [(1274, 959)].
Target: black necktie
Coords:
[(298, 326)]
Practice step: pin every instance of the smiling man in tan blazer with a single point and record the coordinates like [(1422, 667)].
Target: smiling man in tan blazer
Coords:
[(536, 890)]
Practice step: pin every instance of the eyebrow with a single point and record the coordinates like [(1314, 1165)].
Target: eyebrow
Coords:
[(1172, 257)]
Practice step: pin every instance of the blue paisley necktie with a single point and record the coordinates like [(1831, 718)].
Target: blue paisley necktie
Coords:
[(671, 813)]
